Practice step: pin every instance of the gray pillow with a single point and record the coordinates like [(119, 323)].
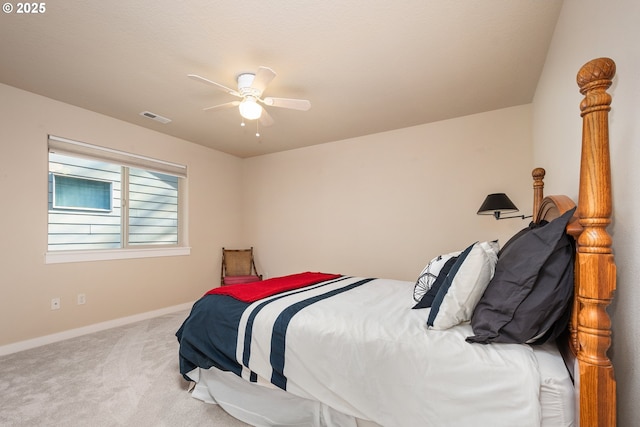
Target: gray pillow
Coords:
[(527, 300)]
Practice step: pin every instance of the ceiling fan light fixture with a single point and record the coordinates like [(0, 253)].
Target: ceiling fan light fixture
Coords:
[(250, 109), (250, 89)]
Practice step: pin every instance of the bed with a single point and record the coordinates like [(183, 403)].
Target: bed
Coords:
[(316, 349)]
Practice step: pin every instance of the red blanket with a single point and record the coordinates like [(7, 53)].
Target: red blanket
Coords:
[(250, 292)]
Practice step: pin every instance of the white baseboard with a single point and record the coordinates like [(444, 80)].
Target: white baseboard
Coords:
[(96, 327)]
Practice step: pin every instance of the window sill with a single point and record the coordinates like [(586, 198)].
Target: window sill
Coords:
[(104, 255)]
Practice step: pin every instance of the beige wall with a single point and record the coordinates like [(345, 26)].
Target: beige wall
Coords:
[(589, 29), (380, 205), (113, 289), (383, 205)]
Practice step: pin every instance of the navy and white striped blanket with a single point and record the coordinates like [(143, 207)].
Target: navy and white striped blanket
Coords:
[(220, 329)]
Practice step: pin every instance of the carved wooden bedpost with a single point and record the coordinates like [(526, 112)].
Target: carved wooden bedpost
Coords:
[(538, 190), (594, 263)]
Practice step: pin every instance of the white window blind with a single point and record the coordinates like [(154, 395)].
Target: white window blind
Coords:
[(69, 147)]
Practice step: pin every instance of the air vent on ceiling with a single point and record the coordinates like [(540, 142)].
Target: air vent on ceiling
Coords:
[(155, 117)]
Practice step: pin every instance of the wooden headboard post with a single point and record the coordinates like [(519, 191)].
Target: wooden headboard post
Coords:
[(595, 268), (538, 192)]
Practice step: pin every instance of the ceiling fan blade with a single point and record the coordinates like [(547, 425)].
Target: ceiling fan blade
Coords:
[(223, 106), (294, 104), (265, 118), (262, 78), (214, 84)]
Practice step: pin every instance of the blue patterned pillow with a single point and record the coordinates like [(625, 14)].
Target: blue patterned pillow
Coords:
[(429, 274), (430, 295)]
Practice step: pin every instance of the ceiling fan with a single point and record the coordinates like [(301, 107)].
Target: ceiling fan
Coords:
[(250, 89)]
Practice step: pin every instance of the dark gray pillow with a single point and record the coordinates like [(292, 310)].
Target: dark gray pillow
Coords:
[(519, 234), (528, 298)]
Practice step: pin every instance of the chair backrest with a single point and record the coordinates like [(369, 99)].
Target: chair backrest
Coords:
[(238, 262)]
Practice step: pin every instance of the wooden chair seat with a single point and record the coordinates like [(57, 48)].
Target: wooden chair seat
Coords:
[(234, 280), (238, 266)]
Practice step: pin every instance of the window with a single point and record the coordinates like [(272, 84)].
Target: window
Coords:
[(153, 208), (102, 199), (81, 193)]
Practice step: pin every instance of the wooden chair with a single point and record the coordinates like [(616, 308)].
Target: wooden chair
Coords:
[(238, 266)]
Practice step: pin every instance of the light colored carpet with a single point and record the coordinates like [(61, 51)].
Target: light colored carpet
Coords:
[(125, 376)]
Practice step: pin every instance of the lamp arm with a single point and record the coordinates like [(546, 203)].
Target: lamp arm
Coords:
[(497, 215)]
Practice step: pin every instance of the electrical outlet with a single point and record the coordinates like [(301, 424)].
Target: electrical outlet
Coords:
[(55, 303), (82, 298)]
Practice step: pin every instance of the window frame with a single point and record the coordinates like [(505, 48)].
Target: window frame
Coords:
[(78, 149)]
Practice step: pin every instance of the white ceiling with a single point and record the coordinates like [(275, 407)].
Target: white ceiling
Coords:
[(367, 66)]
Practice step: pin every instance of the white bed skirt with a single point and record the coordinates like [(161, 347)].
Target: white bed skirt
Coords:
[(262, 404)]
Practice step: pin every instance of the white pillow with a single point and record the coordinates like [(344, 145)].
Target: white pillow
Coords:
[(464, 285), (429, 274)]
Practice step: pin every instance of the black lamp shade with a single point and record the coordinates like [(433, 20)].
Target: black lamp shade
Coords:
[(496, 204)]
